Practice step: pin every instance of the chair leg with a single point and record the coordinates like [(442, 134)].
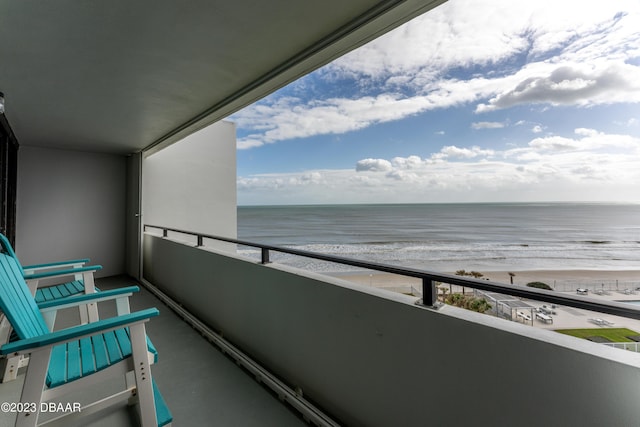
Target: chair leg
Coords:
[(11, 366), (84, 316), (142, 372), (34, 382), (90, 288)]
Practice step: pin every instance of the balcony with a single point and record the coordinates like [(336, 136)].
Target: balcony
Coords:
[(88, 110)]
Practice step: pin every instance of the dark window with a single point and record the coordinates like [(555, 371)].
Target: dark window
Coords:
[(8, 179)]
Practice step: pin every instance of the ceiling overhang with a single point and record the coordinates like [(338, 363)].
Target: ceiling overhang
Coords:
[(121, 77)]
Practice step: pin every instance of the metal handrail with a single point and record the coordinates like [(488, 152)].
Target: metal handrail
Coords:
[(430, 278)]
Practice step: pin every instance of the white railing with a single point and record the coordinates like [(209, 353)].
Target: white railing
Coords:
[(631, 346)]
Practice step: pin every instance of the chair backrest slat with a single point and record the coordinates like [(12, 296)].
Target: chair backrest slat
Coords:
[(16, 300), (5, 246)]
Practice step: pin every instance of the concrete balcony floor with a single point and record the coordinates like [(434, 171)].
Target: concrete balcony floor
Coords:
[(201, 385)]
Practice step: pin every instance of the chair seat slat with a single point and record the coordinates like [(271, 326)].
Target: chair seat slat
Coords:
[(58, 292), (75, 287), (57, 372), (73, 361), (124, 342), (54, 292), (113, 349), (100, 352), (87, 356)]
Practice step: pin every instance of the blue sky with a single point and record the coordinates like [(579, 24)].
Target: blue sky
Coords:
[(475, 101)]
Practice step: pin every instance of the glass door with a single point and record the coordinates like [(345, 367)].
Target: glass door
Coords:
[(8, 180)]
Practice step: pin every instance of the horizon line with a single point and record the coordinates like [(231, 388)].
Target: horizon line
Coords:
[(549, 202)]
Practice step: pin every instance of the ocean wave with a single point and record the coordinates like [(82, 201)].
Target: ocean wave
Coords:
[(451, 237), (449, 257)]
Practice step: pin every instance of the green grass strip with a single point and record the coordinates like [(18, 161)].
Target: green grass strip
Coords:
[(612, 334)]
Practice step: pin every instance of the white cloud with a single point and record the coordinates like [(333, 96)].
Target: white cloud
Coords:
[(554, 143), (410, 162), (586, 132), (586, 165), (569, 84), (249, 142), (631, 122), (373, 165), (402, 175), (280, 121), (588, 140), (579, 55), (473, 32), (453, 152), (487, 125)]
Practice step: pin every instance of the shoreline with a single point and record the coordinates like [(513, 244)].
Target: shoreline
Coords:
[(521, 277), (618, 285)]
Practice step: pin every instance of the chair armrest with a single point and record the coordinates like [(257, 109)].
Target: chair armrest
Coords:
[(59, 264), (77, 332), (76, 300), (60, 273)]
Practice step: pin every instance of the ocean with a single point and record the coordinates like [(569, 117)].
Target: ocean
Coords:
[(450, 237)]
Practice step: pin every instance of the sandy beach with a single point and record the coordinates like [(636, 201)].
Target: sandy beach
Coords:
[(560, 278), (609, 285)]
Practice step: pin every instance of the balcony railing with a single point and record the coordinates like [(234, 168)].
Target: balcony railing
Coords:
[(340, 346), (429, 278)]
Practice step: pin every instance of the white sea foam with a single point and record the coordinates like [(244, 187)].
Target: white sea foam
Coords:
[(451, 237)]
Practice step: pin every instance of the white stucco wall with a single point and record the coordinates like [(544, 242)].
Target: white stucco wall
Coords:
[(70, 205), (191, 185)]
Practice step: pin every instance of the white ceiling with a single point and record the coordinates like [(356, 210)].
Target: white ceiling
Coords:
[(119, 76)]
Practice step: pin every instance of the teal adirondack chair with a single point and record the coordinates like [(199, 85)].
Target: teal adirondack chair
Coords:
[(83, 282), (80, 357), (83, 277)]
